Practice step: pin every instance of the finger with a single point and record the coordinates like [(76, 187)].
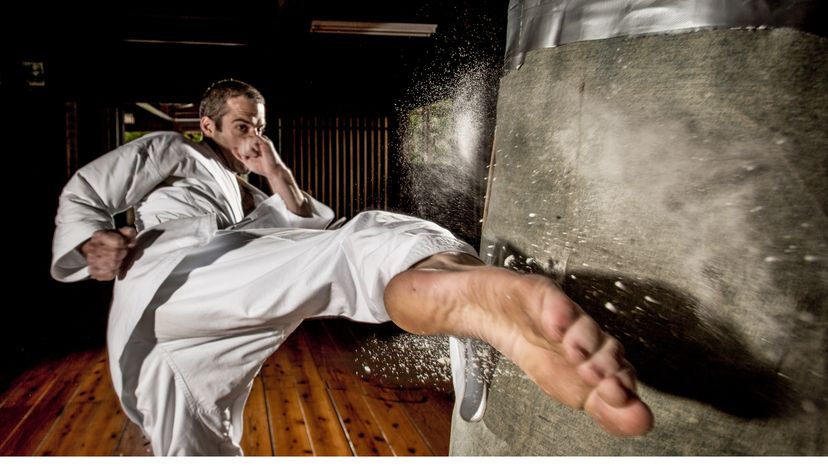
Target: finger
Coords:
[(108, 254), (249, 147), (258, 143), (118, 256), (130, 233), (112, 239), (101, 274), (104, 265)]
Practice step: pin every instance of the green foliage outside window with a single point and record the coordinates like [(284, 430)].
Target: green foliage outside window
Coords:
[(428, 137), (195, 136)]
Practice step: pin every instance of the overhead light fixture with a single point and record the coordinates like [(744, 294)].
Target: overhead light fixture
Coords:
[(163, 115), (186, 42), (373, 29)]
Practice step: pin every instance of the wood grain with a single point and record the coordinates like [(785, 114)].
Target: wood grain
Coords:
[(307, 400)]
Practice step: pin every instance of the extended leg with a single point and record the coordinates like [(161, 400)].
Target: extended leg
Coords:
[(533, 323)]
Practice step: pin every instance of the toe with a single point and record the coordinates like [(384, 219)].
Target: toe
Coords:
[(582, 340), (618, 410), (614, 393), (559, 313), (627, 377), (608, 360)]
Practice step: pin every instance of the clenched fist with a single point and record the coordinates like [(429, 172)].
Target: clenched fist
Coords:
[(106, 251)]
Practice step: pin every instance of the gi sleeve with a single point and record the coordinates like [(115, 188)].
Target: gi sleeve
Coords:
[(273, 213), (106, 186)]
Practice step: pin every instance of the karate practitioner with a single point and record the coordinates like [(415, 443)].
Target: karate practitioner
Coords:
[(216, 274)]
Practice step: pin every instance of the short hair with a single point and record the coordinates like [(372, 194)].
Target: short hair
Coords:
[(214, 102)]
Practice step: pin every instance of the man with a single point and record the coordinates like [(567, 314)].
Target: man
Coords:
[(219, 274)]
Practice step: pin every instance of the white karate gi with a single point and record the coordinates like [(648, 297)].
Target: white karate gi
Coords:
[(211, 294)]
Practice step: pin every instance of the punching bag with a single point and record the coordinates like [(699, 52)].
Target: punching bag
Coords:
[(675, 184)]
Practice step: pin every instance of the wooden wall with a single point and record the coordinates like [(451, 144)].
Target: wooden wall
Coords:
[(343, 161)]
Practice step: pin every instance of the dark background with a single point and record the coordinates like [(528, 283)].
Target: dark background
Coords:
[(91, 64)]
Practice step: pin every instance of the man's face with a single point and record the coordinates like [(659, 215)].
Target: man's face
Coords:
[(244, 118)]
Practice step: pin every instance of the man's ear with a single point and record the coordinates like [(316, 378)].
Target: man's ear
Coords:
[(208, 126)]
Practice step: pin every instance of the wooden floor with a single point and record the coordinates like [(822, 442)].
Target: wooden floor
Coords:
[(307, 400)]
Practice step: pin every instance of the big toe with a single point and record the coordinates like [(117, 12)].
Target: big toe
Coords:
[(618, 410)]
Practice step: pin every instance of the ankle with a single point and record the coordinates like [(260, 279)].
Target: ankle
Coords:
[(455, 261)]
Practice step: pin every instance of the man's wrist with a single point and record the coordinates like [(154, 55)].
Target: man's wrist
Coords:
[(80, 248)]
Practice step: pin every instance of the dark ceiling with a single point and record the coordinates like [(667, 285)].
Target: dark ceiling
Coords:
[(162, 50)]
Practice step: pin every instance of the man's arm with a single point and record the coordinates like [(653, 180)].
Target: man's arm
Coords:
[(97, 191), (282, 183)]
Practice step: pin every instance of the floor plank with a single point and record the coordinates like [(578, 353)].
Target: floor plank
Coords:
[(289, 430), (256, 439), (364, 433), (327, 435), (432, 419), (403, 437), (10, 417), (96, 383)]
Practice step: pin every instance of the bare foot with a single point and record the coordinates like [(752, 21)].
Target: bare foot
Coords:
[(533, 323)]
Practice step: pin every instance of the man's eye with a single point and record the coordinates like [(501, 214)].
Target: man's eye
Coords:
[(242, 128)]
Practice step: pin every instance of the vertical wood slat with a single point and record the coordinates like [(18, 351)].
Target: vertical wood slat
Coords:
[(341, 160), (336, 174), (315, 134), (72, 156), (385, 154), (374, 159), (330, 156), (351, 157)]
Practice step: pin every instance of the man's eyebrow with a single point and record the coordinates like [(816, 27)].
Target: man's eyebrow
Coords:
[(243, 120)]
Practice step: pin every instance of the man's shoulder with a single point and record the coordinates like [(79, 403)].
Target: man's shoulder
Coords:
[(164, 142), (162, 137)]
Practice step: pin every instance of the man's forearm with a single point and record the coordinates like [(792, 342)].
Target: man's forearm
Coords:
[(295, 199)]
